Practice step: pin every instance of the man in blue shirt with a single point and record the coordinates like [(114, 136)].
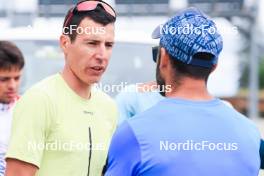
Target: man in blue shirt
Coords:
[(190, 132)]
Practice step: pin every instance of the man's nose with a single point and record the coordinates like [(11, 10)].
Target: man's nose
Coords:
[(12, 84), (101, 52)]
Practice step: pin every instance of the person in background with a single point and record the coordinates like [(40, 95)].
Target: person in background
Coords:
[(11, 66), (137, 98)]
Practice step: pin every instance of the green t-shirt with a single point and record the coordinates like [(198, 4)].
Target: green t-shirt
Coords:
[(60, 132)]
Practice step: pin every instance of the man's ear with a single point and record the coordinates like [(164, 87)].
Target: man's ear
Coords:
[(64, 43), (213, 69), (164, 58)]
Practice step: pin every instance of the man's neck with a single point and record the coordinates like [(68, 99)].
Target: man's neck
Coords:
[(7, 102), (78, 86), (190, 89)]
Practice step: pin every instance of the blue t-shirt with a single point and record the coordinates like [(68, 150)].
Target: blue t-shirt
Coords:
[(133, 102), (186, 138)]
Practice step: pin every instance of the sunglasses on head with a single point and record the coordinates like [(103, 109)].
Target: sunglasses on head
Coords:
[(85, 6)]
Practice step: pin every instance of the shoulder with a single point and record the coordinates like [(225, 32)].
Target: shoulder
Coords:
[(127, 98), (248, 123), (40, 93), (238, 120), (47, 85)]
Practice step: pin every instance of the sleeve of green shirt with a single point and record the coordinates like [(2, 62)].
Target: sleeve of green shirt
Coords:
[(30, 127)]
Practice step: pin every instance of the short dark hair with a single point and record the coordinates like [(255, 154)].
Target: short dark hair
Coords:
[(10, 56), (98, 15), (196, 72)]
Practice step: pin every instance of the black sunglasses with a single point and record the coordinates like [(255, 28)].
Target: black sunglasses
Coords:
[(155, 53)]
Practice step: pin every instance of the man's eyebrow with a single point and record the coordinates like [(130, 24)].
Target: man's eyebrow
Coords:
[(13, 76), (95, 40), (111, 42), (91, 40)]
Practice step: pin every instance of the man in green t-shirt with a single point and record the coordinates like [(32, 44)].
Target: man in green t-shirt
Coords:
[(62, 126)]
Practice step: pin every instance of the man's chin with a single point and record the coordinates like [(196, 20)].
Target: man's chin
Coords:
[(93, 81), (7, 100)]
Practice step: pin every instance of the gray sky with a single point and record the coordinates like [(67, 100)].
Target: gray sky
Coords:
[(261, 16)]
